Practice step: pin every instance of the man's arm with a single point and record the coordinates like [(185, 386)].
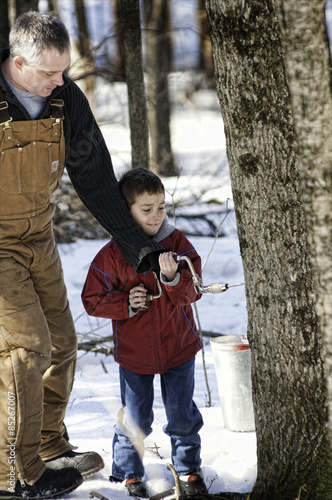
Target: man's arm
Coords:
[(90, 169)]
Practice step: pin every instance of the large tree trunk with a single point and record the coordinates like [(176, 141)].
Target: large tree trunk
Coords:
[(131, 35), (289, 382), (158, 56), (308, 66)]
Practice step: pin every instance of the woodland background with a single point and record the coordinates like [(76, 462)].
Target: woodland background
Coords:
[(271, 72)]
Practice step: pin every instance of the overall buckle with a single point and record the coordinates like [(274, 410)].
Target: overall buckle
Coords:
[(56, 106), (5, 117)]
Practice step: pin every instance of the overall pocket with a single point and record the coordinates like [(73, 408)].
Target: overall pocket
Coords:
[(29, 168)]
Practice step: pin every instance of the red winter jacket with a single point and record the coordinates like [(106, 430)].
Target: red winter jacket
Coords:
[(155, 339)]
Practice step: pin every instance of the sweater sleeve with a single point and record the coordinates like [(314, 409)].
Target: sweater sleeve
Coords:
[(90, 169)]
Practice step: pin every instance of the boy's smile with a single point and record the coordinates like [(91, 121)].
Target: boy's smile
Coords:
[(149, 212)]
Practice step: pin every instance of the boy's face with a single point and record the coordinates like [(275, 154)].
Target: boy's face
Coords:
[(149, 212)]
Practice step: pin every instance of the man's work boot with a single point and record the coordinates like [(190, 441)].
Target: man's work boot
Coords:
[(87, 463), (52, 484)]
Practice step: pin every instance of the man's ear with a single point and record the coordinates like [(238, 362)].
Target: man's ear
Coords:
[(18, 62)]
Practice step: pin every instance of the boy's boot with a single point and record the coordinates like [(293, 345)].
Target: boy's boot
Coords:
[(192, 484), (136, 488)]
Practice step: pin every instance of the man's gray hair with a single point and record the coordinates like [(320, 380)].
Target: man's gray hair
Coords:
[(34, 32)]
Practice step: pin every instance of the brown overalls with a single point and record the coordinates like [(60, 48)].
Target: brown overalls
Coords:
[(37, 335)]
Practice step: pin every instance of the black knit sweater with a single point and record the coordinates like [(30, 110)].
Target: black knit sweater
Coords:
[(90, 169)]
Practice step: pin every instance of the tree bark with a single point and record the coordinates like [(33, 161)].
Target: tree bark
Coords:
[(131, 35), (289, 381), (4, 24), (158, 60), (308, 66), (119, 59), (83, 66), (53, 7), (25, 5), (205, 55)]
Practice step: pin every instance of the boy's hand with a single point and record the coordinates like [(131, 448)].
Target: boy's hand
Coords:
[(137, 296), (168, 266)]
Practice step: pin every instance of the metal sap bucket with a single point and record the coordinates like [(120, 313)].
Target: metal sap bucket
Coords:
[(233, 369)]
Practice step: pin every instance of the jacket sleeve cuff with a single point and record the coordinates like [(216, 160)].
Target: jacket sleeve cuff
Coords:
[(176, 280), (132, 311)]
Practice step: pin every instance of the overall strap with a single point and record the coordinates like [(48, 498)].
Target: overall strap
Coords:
[(56, 106), (4, 112)]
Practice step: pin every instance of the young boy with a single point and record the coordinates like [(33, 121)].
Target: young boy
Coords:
[(151, 335)]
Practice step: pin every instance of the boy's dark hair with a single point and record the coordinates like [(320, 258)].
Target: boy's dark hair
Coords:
[(138, 181)]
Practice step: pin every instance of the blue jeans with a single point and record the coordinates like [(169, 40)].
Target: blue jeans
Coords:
[(135, 418)]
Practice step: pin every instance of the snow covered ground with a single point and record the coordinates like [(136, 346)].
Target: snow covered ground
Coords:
[(228, 458)]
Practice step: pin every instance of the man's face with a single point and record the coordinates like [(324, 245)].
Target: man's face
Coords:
[(42, 79)]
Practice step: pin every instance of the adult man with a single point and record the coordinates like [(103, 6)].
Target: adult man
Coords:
[(46, 123)]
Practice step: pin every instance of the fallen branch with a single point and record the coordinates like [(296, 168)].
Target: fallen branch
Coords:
[(94, 494), (96, 345), (86, 346)]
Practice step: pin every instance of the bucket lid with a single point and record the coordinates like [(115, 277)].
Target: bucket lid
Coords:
[(231, 343)]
